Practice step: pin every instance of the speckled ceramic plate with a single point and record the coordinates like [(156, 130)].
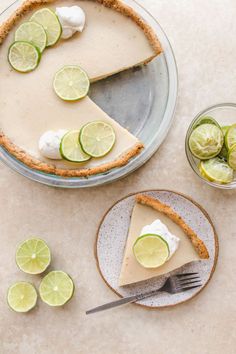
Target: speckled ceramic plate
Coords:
[(111, 240)]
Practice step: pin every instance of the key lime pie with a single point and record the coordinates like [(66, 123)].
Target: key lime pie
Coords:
[(50, 53), (159, 241)]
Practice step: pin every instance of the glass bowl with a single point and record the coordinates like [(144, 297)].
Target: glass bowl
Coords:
[(224, 114), (142, 99)]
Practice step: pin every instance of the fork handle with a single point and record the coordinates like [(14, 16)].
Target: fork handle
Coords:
[(125, 300)]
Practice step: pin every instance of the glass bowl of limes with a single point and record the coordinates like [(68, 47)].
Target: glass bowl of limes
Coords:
[(210, 145)]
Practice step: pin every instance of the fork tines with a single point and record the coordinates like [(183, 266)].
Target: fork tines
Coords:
[(187, 281)]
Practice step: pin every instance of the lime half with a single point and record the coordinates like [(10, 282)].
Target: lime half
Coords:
[(206, 141), (49, 20), (56, 288), (224, 151), (33, 256), (22, 297), (205, 120), (32, 32), (24, 56), (97, 138), (216, 170), (70, 148), (71, 83), (232, 157), (230, 136), (151, 251)]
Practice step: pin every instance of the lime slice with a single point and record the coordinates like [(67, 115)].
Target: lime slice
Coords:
[(151, 251), (49, 20), (216, 170), (205, 120), (56, 288), (70, 148), (206, 141), (71, 83), (232, 157), (33, 33), (23, 56), (22, 297), (97, 138), (230, 136), (33, 256)]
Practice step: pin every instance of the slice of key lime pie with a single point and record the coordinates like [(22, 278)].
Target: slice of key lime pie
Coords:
[(51, 50), (159, 241)]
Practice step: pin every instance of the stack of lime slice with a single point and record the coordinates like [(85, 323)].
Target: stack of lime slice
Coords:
[(215, 147), (31, 38)]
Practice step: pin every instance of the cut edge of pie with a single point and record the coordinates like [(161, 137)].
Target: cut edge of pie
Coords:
[(168, 211), (35, 163)]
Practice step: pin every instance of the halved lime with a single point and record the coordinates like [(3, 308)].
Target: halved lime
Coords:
[(230, 136), (49, 20), (33, 256), (216, 170), (224, 151), (232, 157), (97, 138), (71, 83), (33, 33), (205, 120), (206, 141), (56, 288), (22, 297), (225, 129), (71, 149), (151, 251), (23, 56)]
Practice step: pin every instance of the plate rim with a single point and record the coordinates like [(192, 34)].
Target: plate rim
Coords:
[(194, 203)]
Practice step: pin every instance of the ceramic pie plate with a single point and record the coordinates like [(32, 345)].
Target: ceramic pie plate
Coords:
[(111, 240), (141, 99)]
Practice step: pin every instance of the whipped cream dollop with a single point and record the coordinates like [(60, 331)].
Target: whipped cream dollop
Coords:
[(158, 228), (72, 20), (49, 144)]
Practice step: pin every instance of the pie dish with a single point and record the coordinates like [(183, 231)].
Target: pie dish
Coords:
[(112, 238), (36, 108), (146, 210)]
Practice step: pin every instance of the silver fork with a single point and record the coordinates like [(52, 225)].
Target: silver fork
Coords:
[(173, 285)]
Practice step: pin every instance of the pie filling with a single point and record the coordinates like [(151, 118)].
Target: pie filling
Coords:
[(145, 212)]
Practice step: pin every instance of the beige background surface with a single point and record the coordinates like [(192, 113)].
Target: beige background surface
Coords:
[(203, 37)]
